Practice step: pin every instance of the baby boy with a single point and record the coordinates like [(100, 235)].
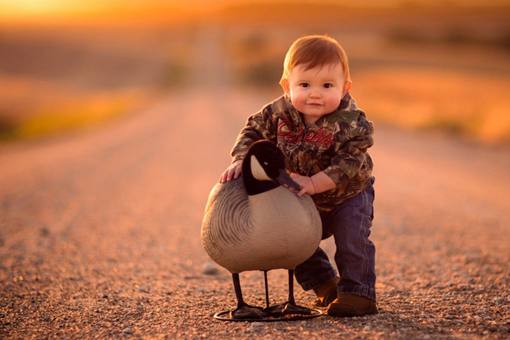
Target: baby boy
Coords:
[(324, 137)]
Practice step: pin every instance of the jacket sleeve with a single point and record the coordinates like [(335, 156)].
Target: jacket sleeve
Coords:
[(261, 125), (350, 150)]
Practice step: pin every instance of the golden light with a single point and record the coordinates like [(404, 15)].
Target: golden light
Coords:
[(41, 10), (27, 6), (51, 11), (61, 10), (31, 8)]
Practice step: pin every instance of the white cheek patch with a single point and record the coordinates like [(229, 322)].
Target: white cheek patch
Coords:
[(257, 170)]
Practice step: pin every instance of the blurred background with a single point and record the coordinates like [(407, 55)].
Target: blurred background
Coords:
[(116, 118), (421, 65)]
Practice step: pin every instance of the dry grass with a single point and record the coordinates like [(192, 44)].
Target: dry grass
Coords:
[(50, 109), (76, 114), (472, 105)]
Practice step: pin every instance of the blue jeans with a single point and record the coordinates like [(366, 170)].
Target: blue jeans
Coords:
[(349, 223)]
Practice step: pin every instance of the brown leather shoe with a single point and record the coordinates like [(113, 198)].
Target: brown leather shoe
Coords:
[(326, 292), (347, 304)]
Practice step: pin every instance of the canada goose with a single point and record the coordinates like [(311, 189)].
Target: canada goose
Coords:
[(255, 223)]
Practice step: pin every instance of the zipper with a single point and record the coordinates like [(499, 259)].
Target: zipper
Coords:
[(305, 131)]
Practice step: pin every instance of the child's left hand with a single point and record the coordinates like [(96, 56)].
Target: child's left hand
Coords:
[(305, 182)]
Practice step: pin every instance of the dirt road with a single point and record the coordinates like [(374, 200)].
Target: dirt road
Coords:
[(99, 233)]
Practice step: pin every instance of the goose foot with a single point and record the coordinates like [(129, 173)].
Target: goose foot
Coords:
[(248, 312), (287, 308)]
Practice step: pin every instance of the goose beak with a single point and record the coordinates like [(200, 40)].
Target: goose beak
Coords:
[(285, 180)]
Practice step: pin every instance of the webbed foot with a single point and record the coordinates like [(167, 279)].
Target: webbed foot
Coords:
[(248, 312), (287, 308)]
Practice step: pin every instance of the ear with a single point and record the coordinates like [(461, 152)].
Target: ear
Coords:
[(347, 87), (284, 83)]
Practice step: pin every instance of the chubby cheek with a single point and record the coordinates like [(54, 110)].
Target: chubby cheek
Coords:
[(297, 99), (333, 102)]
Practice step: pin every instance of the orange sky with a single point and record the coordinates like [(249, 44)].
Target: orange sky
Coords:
[(70, 10), (65, 10)]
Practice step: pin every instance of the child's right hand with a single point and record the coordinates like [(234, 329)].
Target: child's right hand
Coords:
[(232, 172)]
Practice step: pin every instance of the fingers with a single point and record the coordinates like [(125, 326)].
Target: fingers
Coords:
[(231, 173), (296, 178), (234, 172), (291, 189), (237, 172), (223, 177), (304, 182), (302, 192)]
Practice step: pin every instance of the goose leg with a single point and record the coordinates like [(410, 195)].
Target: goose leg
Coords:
[(290, 306), (243, 310), (267, 292)]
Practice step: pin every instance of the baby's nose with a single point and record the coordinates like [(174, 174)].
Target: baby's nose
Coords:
[(315, 94)]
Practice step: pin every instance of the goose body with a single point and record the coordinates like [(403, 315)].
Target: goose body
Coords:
[(271, 230)]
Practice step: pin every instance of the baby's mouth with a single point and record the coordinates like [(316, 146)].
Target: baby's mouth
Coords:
[(315, 104)]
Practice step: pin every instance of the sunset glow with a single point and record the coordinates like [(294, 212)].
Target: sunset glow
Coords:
[(60, 10), (26, 11), (18, 8)]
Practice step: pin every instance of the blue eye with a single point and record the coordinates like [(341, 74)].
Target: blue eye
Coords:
[(328, 85), (303, 84)]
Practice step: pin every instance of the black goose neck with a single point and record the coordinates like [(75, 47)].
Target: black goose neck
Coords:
[(254, 186)]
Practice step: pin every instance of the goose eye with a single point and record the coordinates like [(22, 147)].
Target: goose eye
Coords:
[(265, 163)]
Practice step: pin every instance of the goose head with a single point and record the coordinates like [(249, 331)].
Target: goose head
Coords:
[(264, 169)]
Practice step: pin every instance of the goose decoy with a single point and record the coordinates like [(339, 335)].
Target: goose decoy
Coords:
[(255, 222)]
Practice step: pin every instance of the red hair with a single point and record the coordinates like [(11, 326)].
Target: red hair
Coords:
[(312, 51)]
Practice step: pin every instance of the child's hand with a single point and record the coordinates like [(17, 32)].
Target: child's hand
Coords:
[(306, 183), (232, 172)]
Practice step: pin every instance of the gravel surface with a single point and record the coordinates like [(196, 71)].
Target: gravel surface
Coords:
[(99, 234)]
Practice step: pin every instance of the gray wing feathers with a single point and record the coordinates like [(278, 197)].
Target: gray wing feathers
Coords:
[(226, 218)]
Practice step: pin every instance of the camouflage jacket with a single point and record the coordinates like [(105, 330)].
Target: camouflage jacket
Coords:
[(337, 144)]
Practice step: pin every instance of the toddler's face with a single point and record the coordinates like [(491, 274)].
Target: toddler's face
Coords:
[(316, 91)]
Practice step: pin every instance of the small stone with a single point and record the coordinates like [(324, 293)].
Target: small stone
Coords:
[(127, 330), (144, 289), (210, 268), (256, 326)]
